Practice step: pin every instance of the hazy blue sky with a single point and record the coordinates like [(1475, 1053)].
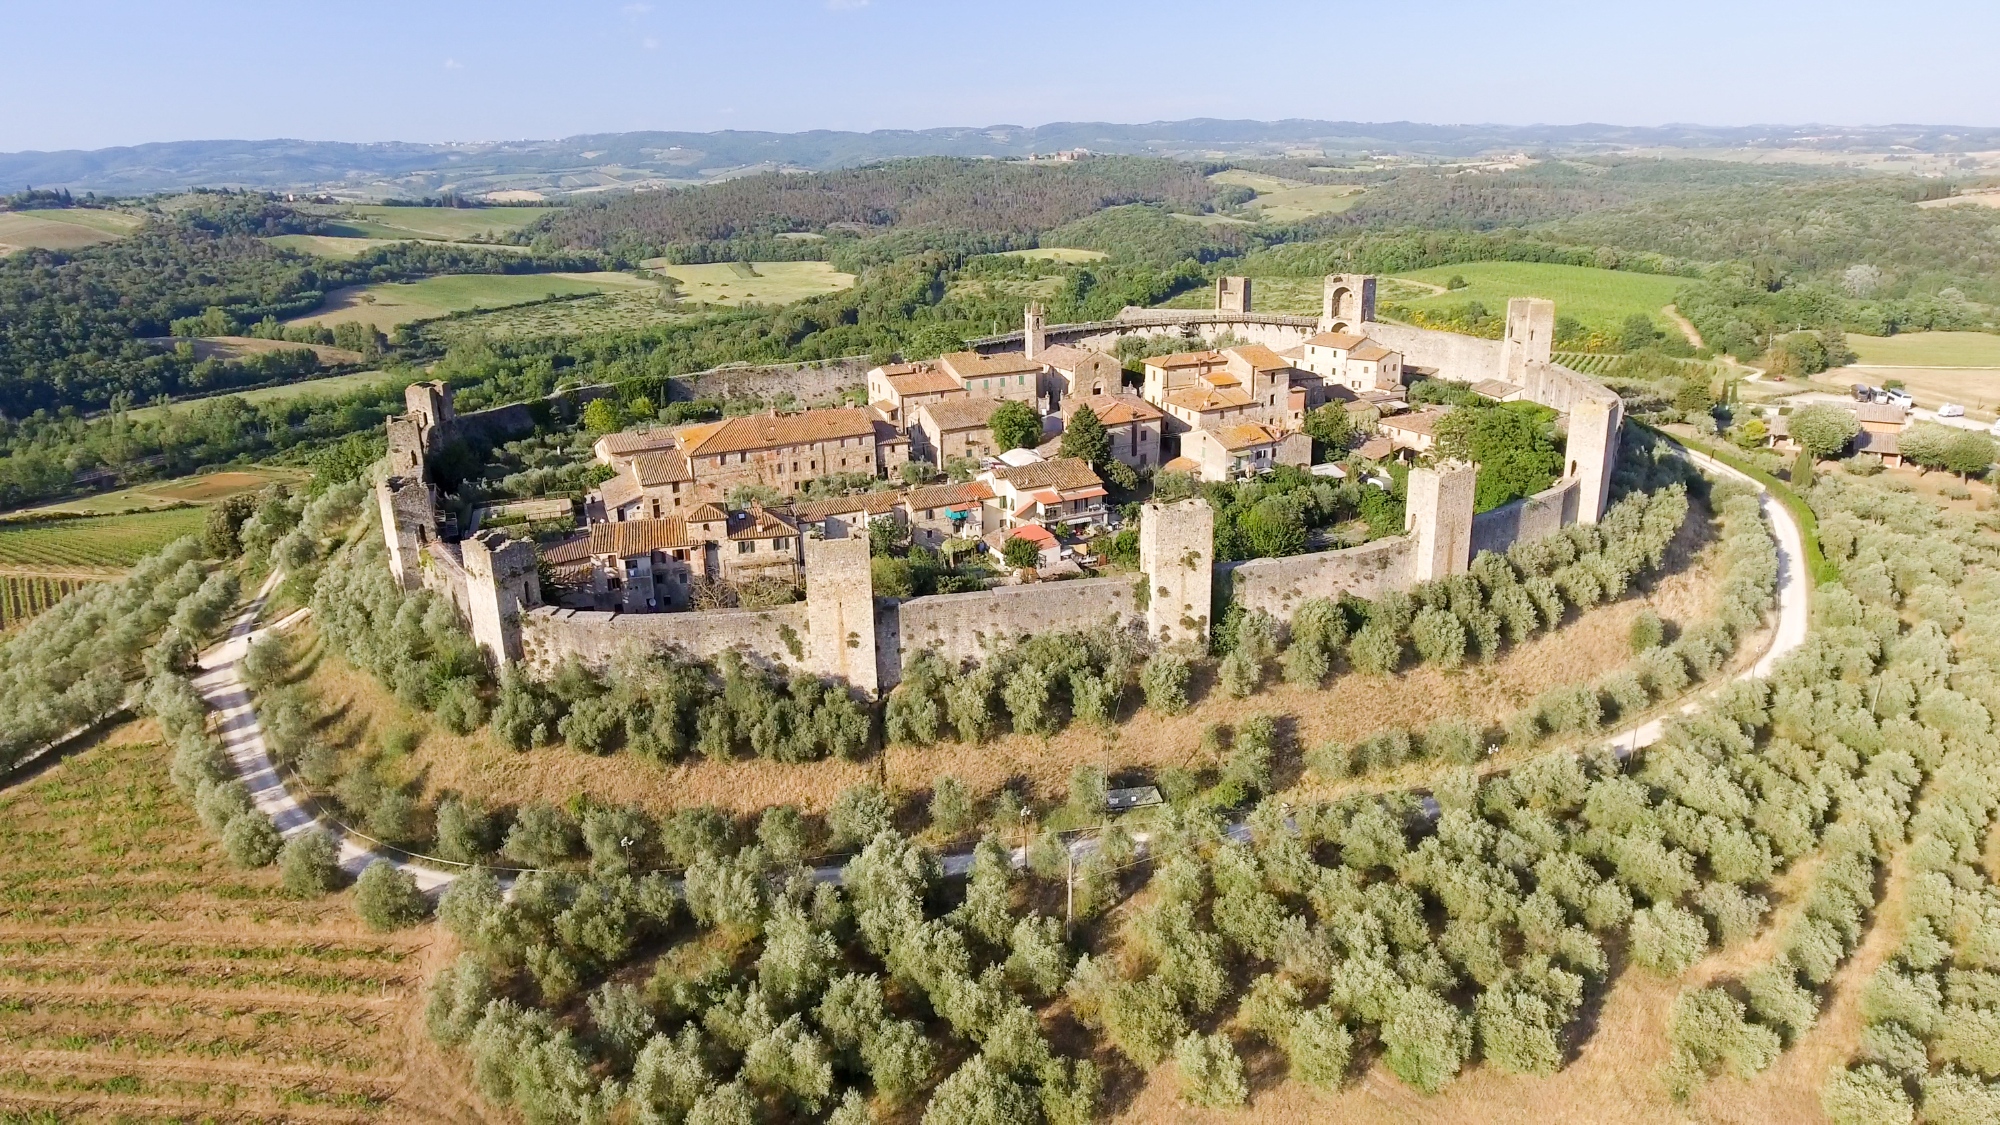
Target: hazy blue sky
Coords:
[(89, 74)]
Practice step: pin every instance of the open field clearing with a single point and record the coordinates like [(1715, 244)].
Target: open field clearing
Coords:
[(1212, 220), (236, 347), (1287, 201), (1975, 388), (1294, 296), (345, 248), (392, 303), (142, 976), (439, 224), (331, 386), (1987, 197), (1056, 254), (604, 312), (97, 541), (67, 228), (1351, 708), (202, 488), (757, 283), (1928, 349), (1597, 298)]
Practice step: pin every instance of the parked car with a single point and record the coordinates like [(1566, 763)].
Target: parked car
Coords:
[(1864, 393), (1951, 410), (1900, 399)]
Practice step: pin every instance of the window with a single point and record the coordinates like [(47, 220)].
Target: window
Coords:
[(783, 543), (745, 547)]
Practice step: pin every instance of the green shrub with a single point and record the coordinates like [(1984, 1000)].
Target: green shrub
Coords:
[(309, 864), (251, 840), (1211, 1075), (387, 898), (1165, 681)]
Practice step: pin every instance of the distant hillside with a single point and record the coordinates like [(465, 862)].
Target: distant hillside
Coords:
[(648, 159)]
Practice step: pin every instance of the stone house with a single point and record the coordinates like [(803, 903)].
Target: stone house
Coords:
[(781, 451), (959, 427), (897, 389), (635, 566), (1217, 399), (1415, 431), (1082, 373), (1166, 374), (1243, 449), (1352, 361), (946, 511), (1266, 377), (610, 449), (648, 485), (841, 516), (760, 543), (1136, 427), (1003, 375), (1061, 493)]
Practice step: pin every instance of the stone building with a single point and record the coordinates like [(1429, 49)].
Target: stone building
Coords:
[(1061, 494), (897, 389), (1080, 372), (1243, 449), (781, 451), (960, 427), (1007, 375), (1135, 427), (636, 566)]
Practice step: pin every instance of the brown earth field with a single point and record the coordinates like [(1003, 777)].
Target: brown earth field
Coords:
[(236, 347), (144, 977), (1352, 707)]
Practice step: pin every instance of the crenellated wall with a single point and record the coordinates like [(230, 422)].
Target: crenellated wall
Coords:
[(963, 626), (1277, 586), (1530, 517), (768, 638)]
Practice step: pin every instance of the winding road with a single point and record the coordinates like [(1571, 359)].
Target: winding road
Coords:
[(220, 682)]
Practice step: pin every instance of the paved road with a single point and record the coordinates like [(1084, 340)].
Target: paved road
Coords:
[(221, 685)]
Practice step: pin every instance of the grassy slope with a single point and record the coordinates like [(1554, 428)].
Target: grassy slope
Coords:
[(1928, 349), (767, 283), (391, 303), (1598, 298), (440, 223)]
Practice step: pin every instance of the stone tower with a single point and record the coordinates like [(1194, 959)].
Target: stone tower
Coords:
[(840, 611), (1347, 302), (1177, 557), (1438, 516), (1592, 451), (1034, 334), (424, 427), (500, 582), (1232, 294), (409, 522), (1531, 334)]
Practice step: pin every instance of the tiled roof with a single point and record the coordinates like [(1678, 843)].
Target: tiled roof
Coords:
[(1186, 359), (1879, 413), (627, 442), (1870, 441), (1196, 399), (899, 368), (619, 490), (707, 513), (1370, 351), (1115, 410), (1064, 357), (760, 523), (655, 469), (1293, 355), (1259, 357), (948, 495), (1416, 422), (625, 540), (969, 413), (1062, 472), (1497, 389), (873, 503), (924, 380), (1375, 448), (1181, 465), (1344, 341), (972, 365), (772, 431), (1246, 435)]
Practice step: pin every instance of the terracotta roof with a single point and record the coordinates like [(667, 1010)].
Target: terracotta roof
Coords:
[(1870, 441), (760, 523), (1181, 465), (1194, 398), (625, 540), (924, 380), (771, 431), (873, 503), (1259, 357), (1344, 341), (1878, 412), (1375, 448), (1416, 422), (972, 365), (620, 490), (948, 495), (1063, 472), (1064, 357), (1370, 351), (654, 469), (1293, 354), (1247, 434), (707, 513), (1034, 533), (899, 368), (886, 433), (1220, 378), (627, 442), (970, 413), (1114, 410), (1186, 359)]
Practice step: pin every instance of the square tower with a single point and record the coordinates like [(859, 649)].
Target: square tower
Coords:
[(840, 611), (1531, 334), (1232, 294), (1592, 451), (1177, 557), (500, 582), (1438, 515), (1347, 302)]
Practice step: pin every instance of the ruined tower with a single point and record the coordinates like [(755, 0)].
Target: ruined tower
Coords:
[(1531, 334), (1232, 294), (1438, 516), (500, 582), (1347, 302), (409, 522), (1177, 557), (840, 611), (1592, 451), (1034, 334)]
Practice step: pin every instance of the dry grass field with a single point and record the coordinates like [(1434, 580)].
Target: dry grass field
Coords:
[(1056, 254), (754, 283), (1928, 349), (389, 304), (443, 224), (143, 977), (1280, 200), (201, 488), (1351, 708), (63, 228)]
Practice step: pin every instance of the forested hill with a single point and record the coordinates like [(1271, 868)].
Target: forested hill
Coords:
[(968, 195), (73, 326)]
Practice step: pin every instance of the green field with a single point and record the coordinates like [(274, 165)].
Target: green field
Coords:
[(67, 228), (389, 304), (757, 283), (1597, 298), (24, 595), (345, 249), (1056, 254), (94, 541), (608, 312), (330, 386), (1928, 349), (441, 224), (1287, 201)]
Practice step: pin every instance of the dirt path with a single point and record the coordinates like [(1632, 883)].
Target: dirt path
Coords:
[(1683, 323)]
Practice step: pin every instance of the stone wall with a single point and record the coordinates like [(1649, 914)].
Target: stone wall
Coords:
[(1277, 586), (1530, 517), (961, 626), (1446, 355), (768, 638), (811, 382)]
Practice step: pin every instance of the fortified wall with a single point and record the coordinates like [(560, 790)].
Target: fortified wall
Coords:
[(841, 630)]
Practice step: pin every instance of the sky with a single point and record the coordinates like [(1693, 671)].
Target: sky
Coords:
[(429, 70)]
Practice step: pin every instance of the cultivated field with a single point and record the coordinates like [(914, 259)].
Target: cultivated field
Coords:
[(94, 541), (24, 595), (143, 977), (341, 247), (392, 303), (606, 312), (441, 224), (1987, 197), (1928, 349), (202, 488), (1287, 201), (236, 347), (330, 386), (1056, 254), (66, 228), (1597, 298), (755, 283), (1975, 388)]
